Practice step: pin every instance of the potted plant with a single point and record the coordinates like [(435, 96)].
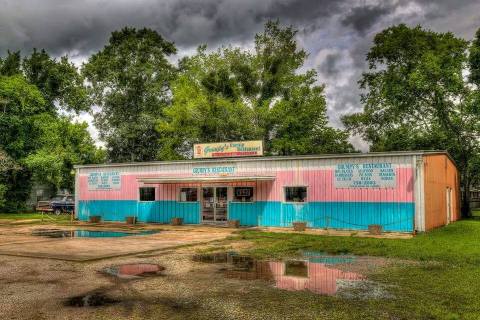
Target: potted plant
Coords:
[(131, 220), (233, 223), (375, 229), (95, 219), (299, 226), (176, 221)]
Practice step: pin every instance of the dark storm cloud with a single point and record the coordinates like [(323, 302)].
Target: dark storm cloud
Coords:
[(82, 26), (363, 18), (330, 64)]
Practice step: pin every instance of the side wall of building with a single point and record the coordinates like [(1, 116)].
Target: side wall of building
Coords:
[(442, 191), (327, 205)]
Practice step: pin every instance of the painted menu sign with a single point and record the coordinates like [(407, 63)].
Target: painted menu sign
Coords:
[(365, 175), (104, 181), (228, 149)]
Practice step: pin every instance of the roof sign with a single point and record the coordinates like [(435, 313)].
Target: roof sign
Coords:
[(228, 149)]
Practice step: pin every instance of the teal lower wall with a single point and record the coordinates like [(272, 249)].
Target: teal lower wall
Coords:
[(393, 216), (155, 211)]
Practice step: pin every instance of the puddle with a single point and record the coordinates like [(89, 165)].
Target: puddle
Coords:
[(134, 270), (59, 233), (93, 299), (315, 272)]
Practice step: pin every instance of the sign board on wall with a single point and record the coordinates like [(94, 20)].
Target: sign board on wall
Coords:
[(104, 181), (213, 171), (365, 175), (228, 149)]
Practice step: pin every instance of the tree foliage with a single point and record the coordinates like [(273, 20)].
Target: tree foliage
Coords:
[(416, 97), (35, 141), (58, 80), (129, 80), (233, 94), (60, 145)]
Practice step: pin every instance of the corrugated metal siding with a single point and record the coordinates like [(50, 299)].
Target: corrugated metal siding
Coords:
[(327, 206), (157, 211), (338, 215), (440, 173)]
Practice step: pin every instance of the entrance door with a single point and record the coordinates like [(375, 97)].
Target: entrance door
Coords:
[(214, 204), (449, 205)]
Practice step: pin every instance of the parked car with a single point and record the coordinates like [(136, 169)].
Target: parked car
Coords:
[(58, 204)]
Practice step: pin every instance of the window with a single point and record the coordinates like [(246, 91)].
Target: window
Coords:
[(188, 194), (243, 194), (147, 194), (296, 268), (295, 194)]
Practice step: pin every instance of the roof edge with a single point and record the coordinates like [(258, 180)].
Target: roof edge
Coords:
[(273, 158)]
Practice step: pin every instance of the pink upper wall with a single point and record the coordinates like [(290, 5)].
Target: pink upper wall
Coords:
[(319, 183)]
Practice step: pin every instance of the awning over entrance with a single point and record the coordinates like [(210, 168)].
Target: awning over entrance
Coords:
[(204, 179)]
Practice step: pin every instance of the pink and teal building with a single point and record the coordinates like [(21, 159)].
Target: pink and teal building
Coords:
[(401, 191)]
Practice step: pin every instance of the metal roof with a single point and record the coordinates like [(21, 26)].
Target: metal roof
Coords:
[(274, 158)]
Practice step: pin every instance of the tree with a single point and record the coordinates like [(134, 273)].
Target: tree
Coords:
[(59, 81), (38, 143), (129, 80), (60, 145), (11, 64), (19, 101), (206, 105), (415, 97), (233, 94), (7, 165)]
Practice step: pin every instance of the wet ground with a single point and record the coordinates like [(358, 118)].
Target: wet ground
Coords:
[(178, 282), (80, 233), (315, 272), (86, 244)]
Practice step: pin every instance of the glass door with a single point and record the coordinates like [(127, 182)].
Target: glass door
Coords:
[(208, 204), (214, 204), (221, 204)]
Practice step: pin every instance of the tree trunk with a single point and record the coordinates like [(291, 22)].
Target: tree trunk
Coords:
[(466, 213)]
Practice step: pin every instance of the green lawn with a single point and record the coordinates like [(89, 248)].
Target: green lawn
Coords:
[(443, 282), (458, 242), (33, 216), (476, 213)]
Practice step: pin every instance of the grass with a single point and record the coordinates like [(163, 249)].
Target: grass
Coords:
[(442, 283), (456, 242), (476, 213), (34, 216)]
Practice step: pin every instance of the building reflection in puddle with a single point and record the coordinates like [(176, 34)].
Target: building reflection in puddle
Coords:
[(317, 274), (315, 277)]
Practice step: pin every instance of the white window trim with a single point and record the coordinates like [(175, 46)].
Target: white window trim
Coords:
[(295, 202), (154, 194), (254, 198), (179, 198)]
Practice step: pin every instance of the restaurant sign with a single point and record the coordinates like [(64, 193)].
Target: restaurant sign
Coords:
[(104, 180), (228, 149), (365, 175), (213, 171)]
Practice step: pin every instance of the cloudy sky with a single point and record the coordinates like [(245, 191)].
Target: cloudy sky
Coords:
[(335, 33)]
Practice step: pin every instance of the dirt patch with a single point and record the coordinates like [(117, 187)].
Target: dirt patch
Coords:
[(71, 245), (186, 289)]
